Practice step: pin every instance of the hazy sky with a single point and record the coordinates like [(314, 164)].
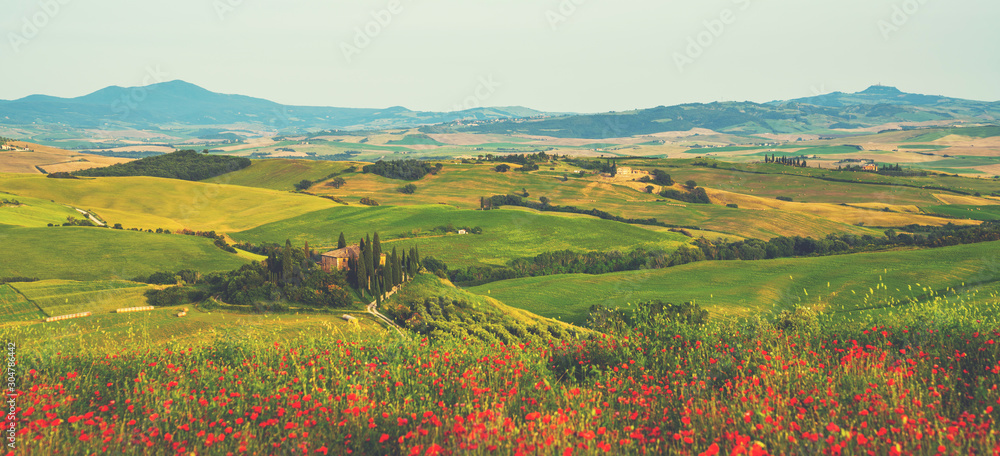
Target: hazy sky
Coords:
[(555, 55)]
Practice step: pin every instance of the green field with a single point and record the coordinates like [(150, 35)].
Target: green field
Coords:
[(34, 212), (14, 307), (148, 202), (966, 212), (280, 174), (971, 132), (959, 162), (507, 233), (64, 297), (758, 287), (79, 253)]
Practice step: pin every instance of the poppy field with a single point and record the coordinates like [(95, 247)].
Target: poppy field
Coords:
[(802, 384)]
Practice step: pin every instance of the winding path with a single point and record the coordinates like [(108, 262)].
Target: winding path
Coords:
[(373, 309)]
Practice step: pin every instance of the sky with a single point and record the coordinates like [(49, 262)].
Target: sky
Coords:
[(551, 55)]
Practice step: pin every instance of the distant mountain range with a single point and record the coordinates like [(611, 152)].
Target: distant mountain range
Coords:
[(828, 114), (178, 104)]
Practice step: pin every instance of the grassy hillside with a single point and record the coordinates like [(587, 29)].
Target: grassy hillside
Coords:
[(77, 253), (628, 199), (34, 212), (507, 233), (149, 202), (14, 306), (836, 283), (63, 297), (280, 174)]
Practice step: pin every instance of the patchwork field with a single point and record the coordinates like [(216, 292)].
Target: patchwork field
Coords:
[(746, 288), (30, 157), (80, 253), (147, 202), (628, 199), (507, 233), (63, 297)]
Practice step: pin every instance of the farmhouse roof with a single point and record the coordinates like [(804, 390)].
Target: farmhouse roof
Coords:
[(351, 251)]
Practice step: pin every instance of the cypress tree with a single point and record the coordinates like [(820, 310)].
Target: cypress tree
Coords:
[(396, 277), (377, 250), (362, 273), (404, 272), (352, 272), (286, 262), (386, 278), (342, 242), (371, 264)]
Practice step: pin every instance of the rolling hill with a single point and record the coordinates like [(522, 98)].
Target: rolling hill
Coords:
[(182, 103), (837, 283), (824, 114)]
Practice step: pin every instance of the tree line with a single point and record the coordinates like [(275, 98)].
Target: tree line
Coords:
[(797, 162), (184, 164)]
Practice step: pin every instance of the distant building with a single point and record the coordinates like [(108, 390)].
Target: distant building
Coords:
[(337, 259), (624, 171), (873, 168), (461, 232)]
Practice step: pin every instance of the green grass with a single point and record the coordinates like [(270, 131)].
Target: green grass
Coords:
[(734, 288), (280, 174), (34, 212), (64, 297), (149, 202), (966, 212), (79, 253), (507, 233), (14, 307)]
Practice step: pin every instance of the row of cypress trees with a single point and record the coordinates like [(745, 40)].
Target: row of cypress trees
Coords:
[(368, 274)]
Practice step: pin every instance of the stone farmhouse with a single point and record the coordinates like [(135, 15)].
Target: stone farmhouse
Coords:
[(337, 259)]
